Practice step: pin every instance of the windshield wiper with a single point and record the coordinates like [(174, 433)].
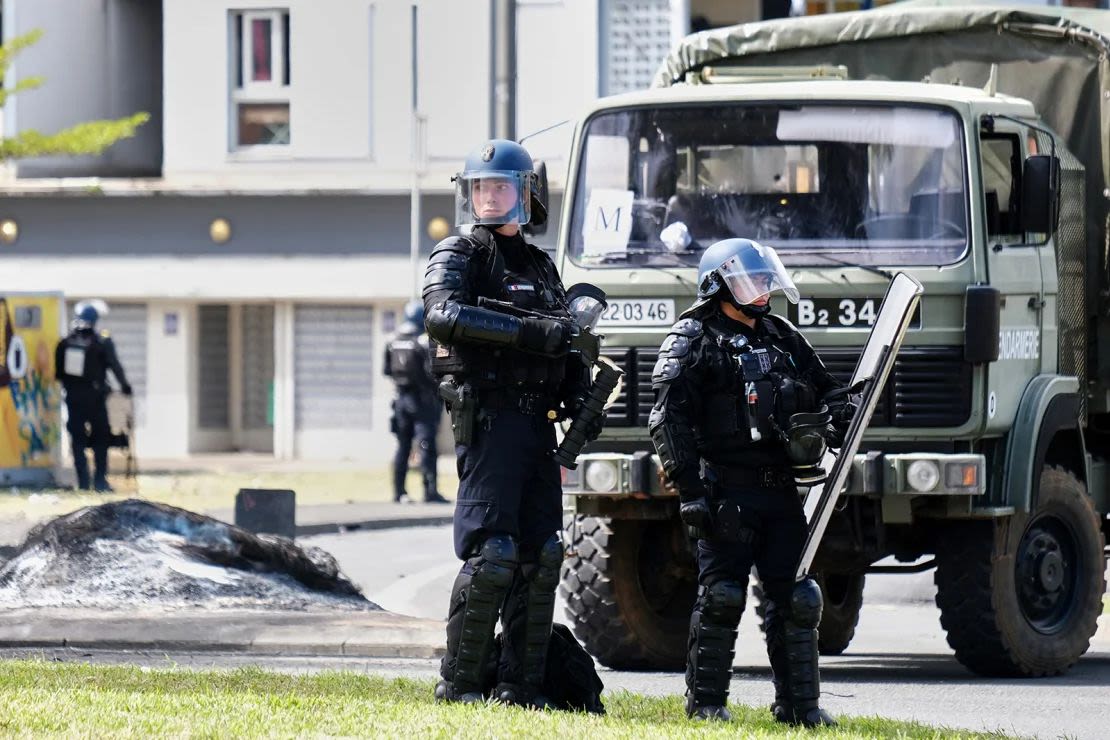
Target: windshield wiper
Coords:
[(844, 263), (678, 262)]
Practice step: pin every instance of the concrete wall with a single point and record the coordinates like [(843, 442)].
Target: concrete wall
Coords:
[(100, 59), (350, 105)]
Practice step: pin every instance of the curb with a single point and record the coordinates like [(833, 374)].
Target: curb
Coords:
[(308, 530), (377, 634)]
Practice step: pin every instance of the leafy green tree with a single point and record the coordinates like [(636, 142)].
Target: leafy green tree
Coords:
[(92, 137)]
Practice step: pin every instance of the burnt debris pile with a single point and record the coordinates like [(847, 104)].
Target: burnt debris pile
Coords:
[(133, 553)]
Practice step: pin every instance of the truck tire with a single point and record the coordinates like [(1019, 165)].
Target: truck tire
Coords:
[(1020, 596), (629, 588), (843, 595)]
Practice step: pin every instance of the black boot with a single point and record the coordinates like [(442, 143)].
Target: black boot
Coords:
[(774, 622), (100, 461), (81, 467), (399, 495), (802, 671), (526, 629), (712, 642), (476, 599)]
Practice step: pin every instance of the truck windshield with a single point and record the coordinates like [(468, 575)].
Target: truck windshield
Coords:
[(869, 185)]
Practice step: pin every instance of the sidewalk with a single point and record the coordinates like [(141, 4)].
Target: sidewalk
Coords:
[(331, 497)]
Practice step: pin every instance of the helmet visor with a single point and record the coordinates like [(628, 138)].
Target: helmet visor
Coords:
[(748, 283), (493, 197)]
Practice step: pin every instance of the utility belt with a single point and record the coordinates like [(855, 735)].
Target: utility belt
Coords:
[(768, 478), (528, 403), (467, 406)]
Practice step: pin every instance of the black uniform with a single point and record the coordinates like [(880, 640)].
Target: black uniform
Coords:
[(82, 361), (416, 409), (509, 508), (724, 391)]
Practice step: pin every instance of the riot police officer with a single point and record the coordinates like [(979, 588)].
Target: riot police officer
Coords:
[(416, 408), (741, 418), (81, 362), (497, 312)]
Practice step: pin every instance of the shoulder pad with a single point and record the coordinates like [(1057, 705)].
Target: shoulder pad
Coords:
[(687, 328), (461, 244), (674, 353)]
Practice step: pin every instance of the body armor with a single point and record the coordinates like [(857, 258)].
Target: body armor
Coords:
[(408, 361), (83, 359), (482, 346), (726, 396)]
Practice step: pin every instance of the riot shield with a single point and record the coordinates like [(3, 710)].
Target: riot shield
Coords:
[(875, 363)]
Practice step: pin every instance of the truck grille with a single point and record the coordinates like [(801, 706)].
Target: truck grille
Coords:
[(929, 386)]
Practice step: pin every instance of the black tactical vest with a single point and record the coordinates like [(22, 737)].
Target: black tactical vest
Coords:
[(752, 389), (407, 362), (83, 359), (528, 280)]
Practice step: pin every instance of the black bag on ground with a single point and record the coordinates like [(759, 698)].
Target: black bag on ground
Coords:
[(570, 680)]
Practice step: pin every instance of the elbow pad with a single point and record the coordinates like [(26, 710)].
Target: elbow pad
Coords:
[(675, 455), (452, 323)]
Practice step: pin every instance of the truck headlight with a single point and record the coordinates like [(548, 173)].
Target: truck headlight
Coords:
[(923, 475), (601, 476)]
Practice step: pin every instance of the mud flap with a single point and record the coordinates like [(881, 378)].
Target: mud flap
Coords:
[(875, 363)]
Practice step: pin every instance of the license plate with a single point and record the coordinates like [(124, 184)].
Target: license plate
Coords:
[(840, 313), (639, 312)]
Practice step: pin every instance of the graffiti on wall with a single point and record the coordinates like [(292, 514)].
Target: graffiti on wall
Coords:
[(30, 400)]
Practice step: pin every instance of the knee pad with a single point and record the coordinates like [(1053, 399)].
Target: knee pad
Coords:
[(806, 603), (548, 560), (723, 602), (495, 563)]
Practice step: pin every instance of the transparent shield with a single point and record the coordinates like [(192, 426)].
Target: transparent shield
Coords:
[(749, 282), (493, 197), (871, 371)]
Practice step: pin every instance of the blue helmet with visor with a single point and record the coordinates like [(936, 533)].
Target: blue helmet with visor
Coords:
[(497, 186), (741, 271)]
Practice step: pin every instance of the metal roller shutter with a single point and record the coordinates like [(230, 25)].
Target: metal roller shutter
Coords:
[(213, 374), (333, 366)]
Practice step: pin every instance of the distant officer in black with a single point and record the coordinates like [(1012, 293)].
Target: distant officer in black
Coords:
[(81, 362), (506, 383), (742, 413), (417, 407)]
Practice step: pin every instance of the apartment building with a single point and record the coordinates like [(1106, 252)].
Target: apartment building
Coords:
[(253, 241)]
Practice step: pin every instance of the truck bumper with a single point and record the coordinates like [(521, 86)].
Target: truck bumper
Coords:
[(875, 474)]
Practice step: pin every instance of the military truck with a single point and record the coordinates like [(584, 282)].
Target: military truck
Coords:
[(966, 146)]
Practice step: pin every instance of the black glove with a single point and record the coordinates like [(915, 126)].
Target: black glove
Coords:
[(126, 388), (695, 513), (544, 336)]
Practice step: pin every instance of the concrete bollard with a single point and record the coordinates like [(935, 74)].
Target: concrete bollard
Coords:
[(267, 511)]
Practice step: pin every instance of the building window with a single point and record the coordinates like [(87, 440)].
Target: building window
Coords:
[(259, 78)]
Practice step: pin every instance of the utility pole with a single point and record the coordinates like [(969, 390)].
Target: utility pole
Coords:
[(503, 56), (418, 163)]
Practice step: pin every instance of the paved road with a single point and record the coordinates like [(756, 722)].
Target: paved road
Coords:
[(898, 666)]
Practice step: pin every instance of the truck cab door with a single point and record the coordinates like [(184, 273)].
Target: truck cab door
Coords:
[(1022, 272)]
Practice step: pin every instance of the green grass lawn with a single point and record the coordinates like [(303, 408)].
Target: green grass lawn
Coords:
[(39, 698)]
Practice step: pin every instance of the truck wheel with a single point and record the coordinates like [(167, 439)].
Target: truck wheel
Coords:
[(843, 594), (630, 588), (1020, 596)]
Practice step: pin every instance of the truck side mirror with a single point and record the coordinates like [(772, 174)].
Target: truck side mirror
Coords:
[(1040, 189), (540, 168)]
